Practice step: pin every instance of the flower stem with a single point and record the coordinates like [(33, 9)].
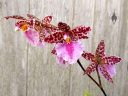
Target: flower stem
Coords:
[(101, 88), (98, 75)]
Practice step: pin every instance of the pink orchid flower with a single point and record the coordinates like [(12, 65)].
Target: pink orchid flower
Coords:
[(70, 52), (34, 29), (106, 65), (67, 45)]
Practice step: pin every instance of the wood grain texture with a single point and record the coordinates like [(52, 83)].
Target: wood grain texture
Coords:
[(31, 71), (13, 53)]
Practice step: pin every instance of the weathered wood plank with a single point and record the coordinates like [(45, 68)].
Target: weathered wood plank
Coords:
[(122, 78), (12, 51)]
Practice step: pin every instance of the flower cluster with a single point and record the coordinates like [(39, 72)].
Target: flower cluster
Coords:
[(67, 45)]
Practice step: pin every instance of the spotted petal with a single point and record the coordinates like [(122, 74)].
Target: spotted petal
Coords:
[(63, 27), (21, 23), (30, 16), (100, 49), (15, 17), (55, 37), (105, 73), (111, 69), (112, 60), (88, 56), (91, 68), (80, 32), (47, 19)]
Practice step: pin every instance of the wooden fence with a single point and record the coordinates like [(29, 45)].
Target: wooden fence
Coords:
[(30, 71)]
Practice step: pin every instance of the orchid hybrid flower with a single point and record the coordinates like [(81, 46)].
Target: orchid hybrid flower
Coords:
[(106, 65), (68, 48), (34, 29)]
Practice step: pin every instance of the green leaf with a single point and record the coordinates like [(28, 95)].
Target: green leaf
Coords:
[(86, 93)]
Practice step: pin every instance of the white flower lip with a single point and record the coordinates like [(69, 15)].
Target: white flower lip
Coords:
[(65, 37), (16, 28)]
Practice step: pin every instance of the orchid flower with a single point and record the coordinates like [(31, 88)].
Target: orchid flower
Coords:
[(67, 45), (34, 29), (105, 65)]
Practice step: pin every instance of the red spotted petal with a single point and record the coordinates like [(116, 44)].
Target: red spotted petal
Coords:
[(47, 19), (112, 60), (43, 31), (107, 76), (55, 38), (91, 68), (63, 27), (100, 49), (80, 32), (37, 25), (15, 17), (22, 22), (32, 16), (88, 56)]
